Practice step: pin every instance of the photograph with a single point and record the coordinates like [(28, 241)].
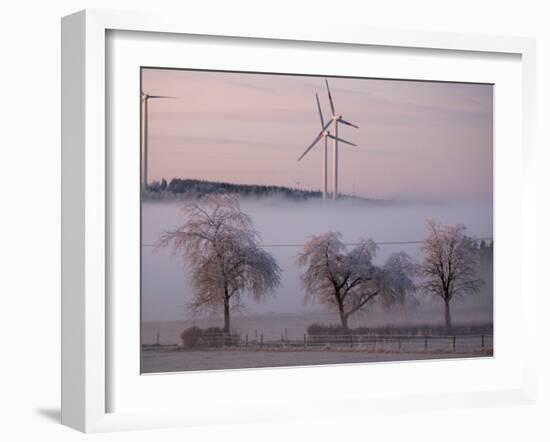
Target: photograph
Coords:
[(292, 220)]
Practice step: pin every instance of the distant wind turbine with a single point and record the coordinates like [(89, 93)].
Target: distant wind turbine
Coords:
[(335, 120), (145, 137), (323, 134)]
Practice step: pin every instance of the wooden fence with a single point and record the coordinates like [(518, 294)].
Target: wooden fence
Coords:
[(394, 343)]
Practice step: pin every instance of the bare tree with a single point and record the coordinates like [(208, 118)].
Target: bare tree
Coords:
[(222, 249), (450, 264), (348, 281)]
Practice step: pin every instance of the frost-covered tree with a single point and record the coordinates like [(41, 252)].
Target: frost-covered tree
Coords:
[(221, 248), (349, 280), (450, 265)]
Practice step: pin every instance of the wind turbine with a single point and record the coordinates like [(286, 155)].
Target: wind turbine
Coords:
[(335, 119), (145, 137), (325, 134)]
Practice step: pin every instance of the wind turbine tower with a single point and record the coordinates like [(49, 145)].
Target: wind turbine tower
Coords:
[(335, 120), (145, 135)]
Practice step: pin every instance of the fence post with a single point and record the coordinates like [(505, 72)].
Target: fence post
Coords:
[(454, 343), (305, 340), (483, 342), (425, 342), (246, 340), (261, 340), (286, 334), (158, 338), (399, 343)]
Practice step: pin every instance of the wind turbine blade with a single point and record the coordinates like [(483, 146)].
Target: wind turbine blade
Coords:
[(320, 112), (311, 145), (341, 120), (330, 99), (160, 96), (326, 126), (340, 140)]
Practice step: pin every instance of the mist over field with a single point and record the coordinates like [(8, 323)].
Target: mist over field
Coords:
[(284, 225)]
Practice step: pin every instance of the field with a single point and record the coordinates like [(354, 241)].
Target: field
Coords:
[(281, 340), (294, 326), (157, 361)]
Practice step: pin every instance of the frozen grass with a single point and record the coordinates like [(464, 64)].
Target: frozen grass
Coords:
[(159, 361)]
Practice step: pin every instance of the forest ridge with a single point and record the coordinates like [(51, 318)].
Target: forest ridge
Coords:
[(193, 188)]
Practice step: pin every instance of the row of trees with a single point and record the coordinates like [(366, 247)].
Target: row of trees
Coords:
[(222, 250), (200, 188)]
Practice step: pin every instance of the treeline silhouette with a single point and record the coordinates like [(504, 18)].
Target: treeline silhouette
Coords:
[(192, 188)]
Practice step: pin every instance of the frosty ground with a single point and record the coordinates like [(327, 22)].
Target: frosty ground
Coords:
[(157, 361)]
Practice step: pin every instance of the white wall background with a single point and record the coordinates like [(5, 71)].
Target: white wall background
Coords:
[(30, 215)]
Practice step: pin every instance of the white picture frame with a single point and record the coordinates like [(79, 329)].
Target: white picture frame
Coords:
[(86, 204)]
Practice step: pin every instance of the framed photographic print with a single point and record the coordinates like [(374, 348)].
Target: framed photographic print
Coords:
[(277, 208), (250, 259)]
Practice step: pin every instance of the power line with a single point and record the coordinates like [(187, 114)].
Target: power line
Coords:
[(379, 243)]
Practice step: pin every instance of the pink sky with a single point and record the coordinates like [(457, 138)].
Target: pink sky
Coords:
[(417, 140)]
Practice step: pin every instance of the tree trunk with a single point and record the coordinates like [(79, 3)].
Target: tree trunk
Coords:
[(344, 321), (448, 325), (226, 317)]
